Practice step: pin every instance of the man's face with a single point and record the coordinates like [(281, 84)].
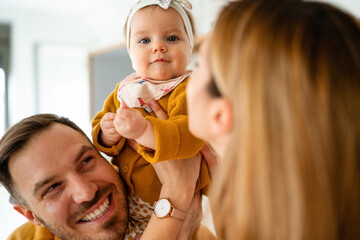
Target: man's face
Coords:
[(69, 187)]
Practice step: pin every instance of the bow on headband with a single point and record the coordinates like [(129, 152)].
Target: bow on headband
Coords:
[(165, 4)]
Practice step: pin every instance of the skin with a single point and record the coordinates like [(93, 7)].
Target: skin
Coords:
[(81, 180), (209, 118), (72, 188), (160, 48)]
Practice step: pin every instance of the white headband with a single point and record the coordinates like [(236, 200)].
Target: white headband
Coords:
[(176, 4)]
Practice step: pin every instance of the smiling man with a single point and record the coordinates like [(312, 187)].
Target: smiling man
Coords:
[(61, 181)]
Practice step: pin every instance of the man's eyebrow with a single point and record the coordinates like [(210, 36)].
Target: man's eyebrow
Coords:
[(81, 152), (40, 184)]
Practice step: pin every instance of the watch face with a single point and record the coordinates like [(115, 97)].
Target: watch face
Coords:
[(162, 208)]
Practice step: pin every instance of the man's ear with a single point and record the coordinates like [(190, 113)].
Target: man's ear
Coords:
[(27, 213), (221, 117)]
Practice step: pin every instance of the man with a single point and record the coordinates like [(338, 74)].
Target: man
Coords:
[(64, 203), (60, 181)]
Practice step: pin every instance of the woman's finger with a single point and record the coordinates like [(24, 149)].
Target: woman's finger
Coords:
[(211, 158), (133, 144), (192, 220), (157, 109)]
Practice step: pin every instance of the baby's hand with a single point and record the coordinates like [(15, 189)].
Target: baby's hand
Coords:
[(129, 123), (108, 136)]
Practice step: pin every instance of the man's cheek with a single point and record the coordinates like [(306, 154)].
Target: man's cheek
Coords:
[(55, 211)]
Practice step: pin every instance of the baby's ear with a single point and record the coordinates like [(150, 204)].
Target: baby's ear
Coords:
[(23, 210), (221, 117)]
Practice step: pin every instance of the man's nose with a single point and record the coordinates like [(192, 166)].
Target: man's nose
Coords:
[(159, 46), (83, 190)]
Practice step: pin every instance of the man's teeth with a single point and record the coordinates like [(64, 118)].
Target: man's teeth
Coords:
[(98, 212)]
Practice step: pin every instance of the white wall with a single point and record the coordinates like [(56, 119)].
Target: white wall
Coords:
[(28, 29), (352, 6)]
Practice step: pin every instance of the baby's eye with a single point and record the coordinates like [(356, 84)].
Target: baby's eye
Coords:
[(144, 40), (172, 38)]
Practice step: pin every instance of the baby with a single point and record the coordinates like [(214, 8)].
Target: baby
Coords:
[(159, 36)]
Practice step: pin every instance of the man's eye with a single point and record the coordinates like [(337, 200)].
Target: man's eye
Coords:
[(51, 188), (172, 39), (144, 40), (86, 161)]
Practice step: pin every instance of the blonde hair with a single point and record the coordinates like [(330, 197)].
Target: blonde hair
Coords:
[(291, 70)]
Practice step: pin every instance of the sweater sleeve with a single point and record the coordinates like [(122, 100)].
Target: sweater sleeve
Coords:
[(111, 105), (31, 231), (172, 136)]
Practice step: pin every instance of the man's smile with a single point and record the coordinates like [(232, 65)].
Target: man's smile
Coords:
[(98, 209), (97, 213)]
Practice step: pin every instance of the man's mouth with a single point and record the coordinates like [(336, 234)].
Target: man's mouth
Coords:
[(97, 213)]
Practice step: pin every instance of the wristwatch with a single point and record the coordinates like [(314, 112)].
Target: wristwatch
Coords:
[(163, 208)]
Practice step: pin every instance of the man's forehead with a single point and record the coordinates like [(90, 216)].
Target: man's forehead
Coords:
[(52, 140)]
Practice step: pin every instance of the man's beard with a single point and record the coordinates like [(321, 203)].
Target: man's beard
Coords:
[(116, 225)]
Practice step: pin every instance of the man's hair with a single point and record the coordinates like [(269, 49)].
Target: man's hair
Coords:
[(18, 136)]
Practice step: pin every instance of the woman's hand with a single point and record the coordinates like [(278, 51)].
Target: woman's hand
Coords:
[(158, 111), (211, 158), (178, 176), (192, 220)]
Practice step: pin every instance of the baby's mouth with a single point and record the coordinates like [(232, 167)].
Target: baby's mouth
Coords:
[(97, 213), (160, 60)]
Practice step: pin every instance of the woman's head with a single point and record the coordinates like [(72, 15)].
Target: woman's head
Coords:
[(210, 115), (290, 72), (159, 40)]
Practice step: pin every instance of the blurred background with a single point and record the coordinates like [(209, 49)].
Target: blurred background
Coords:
[(65, 57)]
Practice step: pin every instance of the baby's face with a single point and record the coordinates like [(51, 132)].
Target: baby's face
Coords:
[(159, 45)]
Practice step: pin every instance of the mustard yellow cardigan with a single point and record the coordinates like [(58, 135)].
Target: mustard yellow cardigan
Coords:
[(173, 141), (30, 231)]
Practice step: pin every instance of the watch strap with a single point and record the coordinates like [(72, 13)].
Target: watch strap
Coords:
[(177, 214)]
